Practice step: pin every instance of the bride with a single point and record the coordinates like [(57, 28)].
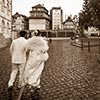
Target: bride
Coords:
[(38, 48)]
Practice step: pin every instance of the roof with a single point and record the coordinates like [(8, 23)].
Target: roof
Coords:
[(40, 6), (18, 15), (37, 6), (56, 7), (68, 20)]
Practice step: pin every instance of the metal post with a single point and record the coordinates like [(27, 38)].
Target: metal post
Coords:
[(99, 47), (47, 34), (65, 33), (88, 46), (56, 33), (82, 45)]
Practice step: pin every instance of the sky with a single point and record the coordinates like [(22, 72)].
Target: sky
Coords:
[(69, 7)]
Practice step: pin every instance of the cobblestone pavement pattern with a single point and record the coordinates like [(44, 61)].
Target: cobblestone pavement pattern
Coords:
[(69, 74)]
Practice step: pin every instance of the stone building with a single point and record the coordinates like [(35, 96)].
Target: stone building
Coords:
[(56, 18), (19, 22), (39, 18), (5, 17)]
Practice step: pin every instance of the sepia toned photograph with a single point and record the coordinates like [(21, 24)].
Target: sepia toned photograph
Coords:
[(49, 49)]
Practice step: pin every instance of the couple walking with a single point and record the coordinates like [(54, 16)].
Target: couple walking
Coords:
[(29, 66)]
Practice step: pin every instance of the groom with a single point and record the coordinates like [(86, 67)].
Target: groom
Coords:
[(18, 57)]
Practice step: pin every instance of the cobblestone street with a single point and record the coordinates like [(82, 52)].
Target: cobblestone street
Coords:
[(69, 74)]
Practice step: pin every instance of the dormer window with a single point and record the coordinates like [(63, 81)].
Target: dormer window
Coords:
[(34, 9), (39, 9)]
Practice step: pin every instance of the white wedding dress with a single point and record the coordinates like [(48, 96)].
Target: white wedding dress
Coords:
[(38, 48)]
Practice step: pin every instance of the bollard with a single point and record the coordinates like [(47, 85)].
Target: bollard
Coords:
[(82, 45), (99, 47), (50, 40), (88, 46)]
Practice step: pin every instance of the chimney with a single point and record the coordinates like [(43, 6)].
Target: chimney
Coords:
[(65, 16), (43, 5)]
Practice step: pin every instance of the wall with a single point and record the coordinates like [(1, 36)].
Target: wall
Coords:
[(37, 24)]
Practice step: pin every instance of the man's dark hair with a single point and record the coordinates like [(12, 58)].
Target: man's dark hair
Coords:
[(22, 33), (37, 33), (30, 34)]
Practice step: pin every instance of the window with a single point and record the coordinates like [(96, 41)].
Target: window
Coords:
[(7, 9), (34, 9), (39, 9), (3, 26), (7, 27), (34, 14), (3, 6), (22, 21), (40, 15)]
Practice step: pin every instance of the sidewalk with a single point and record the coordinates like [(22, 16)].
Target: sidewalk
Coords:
[(94, 41), (69, 74), (91, 44), (63, 38)]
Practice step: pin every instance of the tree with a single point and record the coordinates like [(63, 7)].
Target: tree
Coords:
[(90, 15), (75, 20), (95, 10)]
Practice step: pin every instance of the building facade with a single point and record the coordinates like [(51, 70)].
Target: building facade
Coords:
[(39, 18), (19, 22), (56, 18), (69, 26), (5, 17)]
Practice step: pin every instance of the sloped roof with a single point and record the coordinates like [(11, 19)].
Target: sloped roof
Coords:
[(68, 20), (56, 8), (18, 15), (39, 6)]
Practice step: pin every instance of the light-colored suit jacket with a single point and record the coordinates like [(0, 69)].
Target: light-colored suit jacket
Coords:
[(18, 50)]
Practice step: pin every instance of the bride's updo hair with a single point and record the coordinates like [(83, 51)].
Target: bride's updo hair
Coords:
[(37, 33)]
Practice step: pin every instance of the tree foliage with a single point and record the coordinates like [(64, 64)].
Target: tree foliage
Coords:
[(90, 15)]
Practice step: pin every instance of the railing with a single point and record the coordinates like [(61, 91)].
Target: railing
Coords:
[(89, 43)]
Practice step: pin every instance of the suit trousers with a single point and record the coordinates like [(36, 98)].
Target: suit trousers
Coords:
[(15, 69)]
